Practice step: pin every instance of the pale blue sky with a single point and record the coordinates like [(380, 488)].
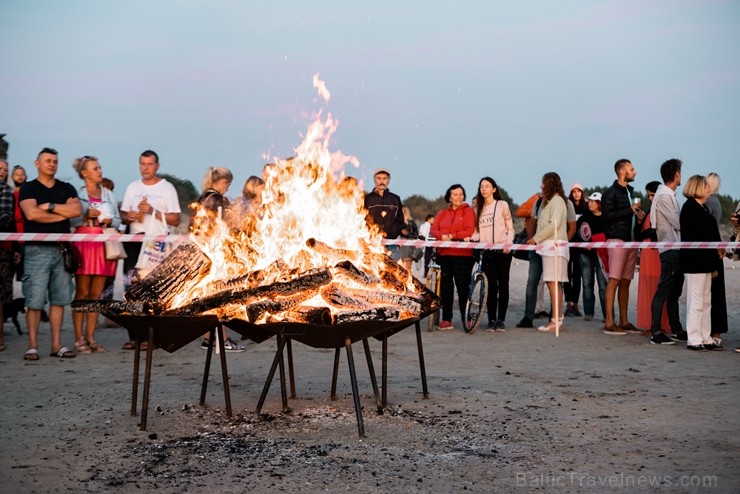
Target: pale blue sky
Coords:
[(437, 92)]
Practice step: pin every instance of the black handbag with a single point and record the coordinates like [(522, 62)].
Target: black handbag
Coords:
[(71, 257), (521, 238)]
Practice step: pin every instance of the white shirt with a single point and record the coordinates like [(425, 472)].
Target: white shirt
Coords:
[(162, 196)]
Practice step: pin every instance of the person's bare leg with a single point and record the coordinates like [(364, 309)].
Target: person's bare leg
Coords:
[(82, 291), (33, 319), (623, 297), (56, 314), (2, 333), (610, 294)]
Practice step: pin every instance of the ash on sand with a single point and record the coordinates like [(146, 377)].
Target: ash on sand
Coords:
[(504, 408)]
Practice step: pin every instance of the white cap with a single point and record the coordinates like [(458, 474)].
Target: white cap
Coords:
[(596, 196)]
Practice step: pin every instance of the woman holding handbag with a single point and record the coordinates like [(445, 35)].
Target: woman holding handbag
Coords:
[(99, 211)]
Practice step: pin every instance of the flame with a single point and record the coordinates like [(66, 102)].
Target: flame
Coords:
[(307, 196)]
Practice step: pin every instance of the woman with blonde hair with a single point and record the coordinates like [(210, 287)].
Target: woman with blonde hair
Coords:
[(697, 225), (552, 227), (99, 210), (216, 183), (719, 300)]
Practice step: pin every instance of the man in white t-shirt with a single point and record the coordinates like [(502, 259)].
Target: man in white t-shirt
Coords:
[(147, 199)]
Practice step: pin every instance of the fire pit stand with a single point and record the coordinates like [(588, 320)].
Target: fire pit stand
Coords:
[(170, 333), (336, 336)]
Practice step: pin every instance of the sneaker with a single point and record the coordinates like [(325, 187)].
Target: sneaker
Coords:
[(491, 325), (696, 348), (682, 336), (231, 346), (445, 326), (569, 312), (737, 349), (205, 344), (613, 330), (541, 314), (588, 318), (525, 323), (576, 312), (499, 326), (661, 339), (712, 347), (629, 328)]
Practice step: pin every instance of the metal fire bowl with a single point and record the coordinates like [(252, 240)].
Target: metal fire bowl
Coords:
[(256, 333), (170, 332), (323, 336)]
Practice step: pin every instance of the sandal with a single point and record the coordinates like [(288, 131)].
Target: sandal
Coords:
[(97, 347), (129, 345), (63, 352), (82, 347), (31, 354)]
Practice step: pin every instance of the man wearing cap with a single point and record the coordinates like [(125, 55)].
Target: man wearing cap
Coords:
[(664, 217), (386, 210), (590, 228)]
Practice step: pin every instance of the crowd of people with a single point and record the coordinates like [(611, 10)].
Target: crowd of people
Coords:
[(150, 206)]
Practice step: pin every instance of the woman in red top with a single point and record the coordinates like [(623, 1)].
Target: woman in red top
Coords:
[(456, 222)]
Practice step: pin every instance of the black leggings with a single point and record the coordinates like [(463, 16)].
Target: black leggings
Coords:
[(455, 272), (497, 266)]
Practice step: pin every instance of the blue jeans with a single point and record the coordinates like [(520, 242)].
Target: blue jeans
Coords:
[(533, 279), (667, 292), (591, 268), (44, 274)]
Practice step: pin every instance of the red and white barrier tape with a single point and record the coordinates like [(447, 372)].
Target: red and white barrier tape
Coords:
[(103, 237)]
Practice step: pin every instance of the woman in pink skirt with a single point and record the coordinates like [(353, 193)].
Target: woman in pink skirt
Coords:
[(99, 210)]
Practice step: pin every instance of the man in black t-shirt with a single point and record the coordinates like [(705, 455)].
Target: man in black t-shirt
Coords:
[(47, 205)]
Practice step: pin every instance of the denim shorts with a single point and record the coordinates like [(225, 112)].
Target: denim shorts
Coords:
[(43, 272)]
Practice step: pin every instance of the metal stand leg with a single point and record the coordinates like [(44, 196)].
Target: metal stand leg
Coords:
[(207, 368), (355, 390), (283, 387), (135, 386), (147, 379), (384, 364), (373, 379), (334, 375), (291, 373), (270, 375), (424, 388), (224, 370)]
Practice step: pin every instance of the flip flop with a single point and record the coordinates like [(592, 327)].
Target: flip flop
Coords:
[(31, 354), (63, 352)]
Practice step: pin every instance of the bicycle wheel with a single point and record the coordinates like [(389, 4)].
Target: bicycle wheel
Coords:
[(432, 283), (476, 303)]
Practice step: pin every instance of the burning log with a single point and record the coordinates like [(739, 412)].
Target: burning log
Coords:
[(408, 303), (353, 272), (310, 315), (180, 271), (256, 310), (328, 251), (334, 295), (373, 314), (111, 307), (309, 280)]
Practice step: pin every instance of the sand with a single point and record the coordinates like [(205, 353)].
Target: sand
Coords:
[(520, 410)]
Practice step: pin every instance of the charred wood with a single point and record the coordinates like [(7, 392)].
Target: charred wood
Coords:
[(112, 307), (334, 295), (353, 272), (373, 314), (256, 310), (184, 268), (328, 251), (309, 315)]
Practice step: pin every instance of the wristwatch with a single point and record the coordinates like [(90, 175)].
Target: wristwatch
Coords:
[(51, 207)]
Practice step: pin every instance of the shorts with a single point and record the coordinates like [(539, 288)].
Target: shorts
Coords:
[(621, 262), (394, 252), (43, 273), (551, 264)]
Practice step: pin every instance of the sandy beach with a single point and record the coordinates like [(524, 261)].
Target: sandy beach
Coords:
[(519, 410)]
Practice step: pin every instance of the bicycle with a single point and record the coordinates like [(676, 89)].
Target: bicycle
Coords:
[(433, 280), (477, 296)]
